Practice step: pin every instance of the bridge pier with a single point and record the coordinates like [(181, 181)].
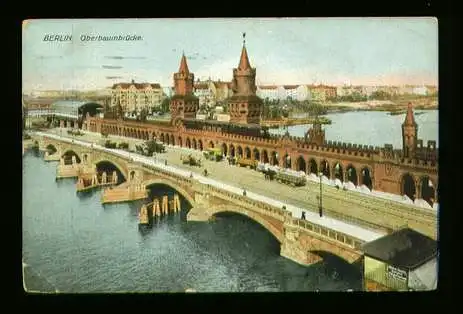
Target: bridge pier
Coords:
[(198, 213), (293, 248), (52, 157)]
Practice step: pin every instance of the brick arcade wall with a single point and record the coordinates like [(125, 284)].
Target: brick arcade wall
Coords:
[(377, 160)]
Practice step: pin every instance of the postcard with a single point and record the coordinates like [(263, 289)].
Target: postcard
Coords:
[(230, 155)]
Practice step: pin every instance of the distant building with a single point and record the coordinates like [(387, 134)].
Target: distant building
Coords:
[(323, 91), (205, 91), (283, 92), (136, 96), (270, 92), (420, 90), (431, 89), (401, 261), (221, 90), (288, 92), (210, 92)]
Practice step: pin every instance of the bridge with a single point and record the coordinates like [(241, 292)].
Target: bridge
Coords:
[(303, 241)]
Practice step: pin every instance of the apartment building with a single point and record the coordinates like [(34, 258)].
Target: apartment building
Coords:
[(136, 96)]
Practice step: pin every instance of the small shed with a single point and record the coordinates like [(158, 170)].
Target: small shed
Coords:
[(402, 261)]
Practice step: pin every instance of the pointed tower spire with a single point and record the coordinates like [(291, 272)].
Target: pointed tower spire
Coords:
[(183, 65), (244, 60), (410, 117), (409, 133)]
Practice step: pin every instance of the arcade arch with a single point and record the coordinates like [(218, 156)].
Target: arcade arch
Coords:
[(232, 150), (325, 168), (256, 154), (408, 186), (239, 152), (427, 190), (224, 149), (300, 164), (265, 158), (313, 168), (351, 174), (338, 171), (274, 158), (365, 178), (247, 153), (286, 161)]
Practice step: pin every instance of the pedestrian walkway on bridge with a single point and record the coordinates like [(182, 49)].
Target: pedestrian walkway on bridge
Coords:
[(334, 224)]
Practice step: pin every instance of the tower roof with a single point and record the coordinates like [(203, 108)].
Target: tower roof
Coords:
[(244, 60), (183, 65), (410, 118)]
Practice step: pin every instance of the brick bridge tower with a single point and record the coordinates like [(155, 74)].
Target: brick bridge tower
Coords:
[(184, 104), (409, 133), (315, 135), (245, 107)]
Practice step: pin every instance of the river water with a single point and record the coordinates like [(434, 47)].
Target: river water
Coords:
[(73, 244), (372, 127)]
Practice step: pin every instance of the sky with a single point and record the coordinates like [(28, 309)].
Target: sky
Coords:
[(335, 51)]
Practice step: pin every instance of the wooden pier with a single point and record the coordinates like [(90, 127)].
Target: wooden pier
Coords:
[(159, 208)]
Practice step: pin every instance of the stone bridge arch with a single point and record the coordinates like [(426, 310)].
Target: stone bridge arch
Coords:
[(118, 165), (69, 151), (260, 219), (187, 195), (51, 148)]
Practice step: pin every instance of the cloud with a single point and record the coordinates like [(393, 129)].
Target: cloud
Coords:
[(49, 57), (122, 57), (114, 57), (111, 67)]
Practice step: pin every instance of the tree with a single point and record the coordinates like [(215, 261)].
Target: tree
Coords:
[(380, 95), (316, 109), (143, 114), (165, 105), (154, 147)]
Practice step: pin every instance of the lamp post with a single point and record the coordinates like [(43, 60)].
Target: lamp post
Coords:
[(320, 208)]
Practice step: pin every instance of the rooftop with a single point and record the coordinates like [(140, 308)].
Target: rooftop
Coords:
[(405, 248), (136, 85)]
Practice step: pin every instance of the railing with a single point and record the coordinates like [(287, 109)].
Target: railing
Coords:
[(327, 233), (261, 207)]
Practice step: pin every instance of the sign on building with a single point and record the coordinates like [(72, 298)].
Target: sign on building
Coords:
[(396, 273)]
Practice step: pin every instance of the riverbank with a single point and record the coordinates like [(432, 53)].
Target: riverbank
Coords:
[(273, 124), (379, 105)]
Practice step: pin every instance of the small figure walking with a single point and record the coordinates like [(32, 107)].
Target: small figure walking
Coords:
[(205, 172), (303, 215), (244, 192), (191, 175), (165, 162)]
